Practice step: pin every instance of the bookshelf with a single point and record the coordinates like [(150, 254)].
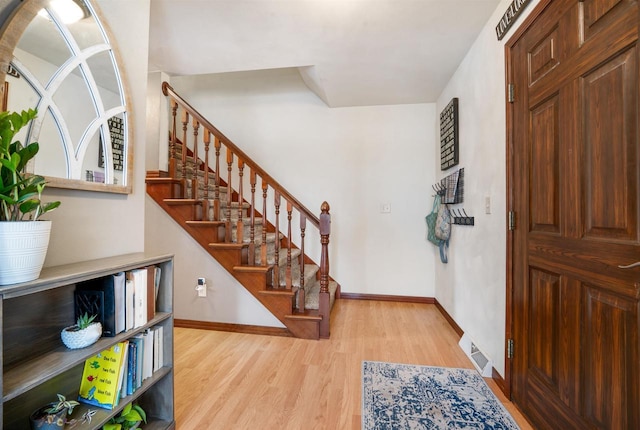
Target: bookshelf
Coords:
[(36, 365)]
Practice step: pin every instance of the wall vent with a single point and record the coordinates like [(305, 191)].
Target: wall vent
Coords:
[(479, 359)]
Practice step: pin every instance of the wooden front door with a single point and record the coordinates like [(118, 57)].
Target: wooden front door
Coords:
[(574, 145)]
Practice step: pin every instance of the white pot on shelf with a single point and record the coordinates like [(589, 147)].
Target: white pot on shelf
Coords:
[(23, 248), (75, 339)]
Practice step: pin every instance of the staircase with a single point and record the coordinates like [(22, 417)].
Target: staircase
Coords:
[(251, 234)]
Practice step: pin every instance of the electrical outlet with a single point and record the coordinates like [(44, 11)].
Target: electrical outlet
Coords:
[(201, 288), (487, 205)]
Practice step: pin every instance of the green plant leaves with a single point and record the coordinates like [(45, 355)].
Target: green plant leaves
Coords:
[(20, 192)]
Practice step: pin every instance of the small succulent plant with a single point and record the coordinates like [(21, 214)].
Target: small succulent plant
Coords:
[(84, 321)]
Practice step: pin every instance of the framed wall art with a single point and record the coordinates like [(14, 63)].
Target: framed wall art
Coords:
[(449, 151)]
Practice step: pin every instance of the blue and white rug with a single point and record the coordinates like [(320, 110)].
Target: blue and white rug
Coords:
[(403, 396)]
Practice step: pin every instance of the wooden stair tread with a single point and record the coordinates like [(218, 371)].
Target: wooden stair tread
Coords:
[(226, 245), (180, 202), (252, 269), (279, 292), (309, 315), (205, 223), (161, 180)]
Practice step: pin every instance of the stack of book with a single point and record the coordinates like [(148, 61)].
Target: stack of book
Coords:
[(120, 370), (123, 301)]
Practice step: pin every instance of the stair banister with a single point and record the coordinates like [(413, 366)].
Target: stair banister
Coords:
[(167, 90), (322, 223), (325, 231)]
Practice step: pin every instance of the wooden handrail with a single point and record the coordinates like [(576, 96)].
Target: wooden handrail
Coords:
[(167, 90)]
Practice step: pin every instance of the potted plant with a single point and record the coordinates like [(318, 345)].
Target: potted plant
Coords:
[(130, 418), (54, 415), (83, 333), (23, 237)]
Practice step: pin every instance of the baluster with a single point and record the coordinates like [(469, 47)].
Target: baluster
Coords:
[(240, 224), (196, 164), (216, 197), (263, 247), (301, 292), (252, 229), (185, 121), (325, 231), (229, 194), (287, 275), (276, 269), (172, 142), (207, 141)]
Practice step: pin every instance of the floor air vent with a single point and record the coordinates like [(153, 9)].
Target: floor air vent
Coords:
[(477, 357)]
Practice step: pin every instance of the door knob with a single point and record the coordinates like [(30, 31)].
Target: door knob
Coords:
[(630, 266)]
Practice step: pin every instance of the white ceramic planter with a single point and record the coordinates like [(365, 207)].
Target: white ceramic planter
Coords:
[(81, 338), (23, 247)]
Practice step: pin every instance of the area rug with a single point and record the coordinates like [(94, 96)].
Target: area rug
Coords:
[(403, 396)]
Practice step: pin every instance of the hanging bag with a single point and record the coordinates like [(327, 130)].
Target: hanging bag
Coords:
[(431, 221), (443, 231), (443, 223)]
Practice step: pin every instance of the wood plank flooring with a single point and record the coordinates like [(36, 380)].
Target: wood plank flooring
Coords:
[(243, 381)]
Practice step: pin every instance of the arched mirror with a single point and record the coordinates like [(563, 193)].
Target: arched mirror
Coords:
[(58, 58)]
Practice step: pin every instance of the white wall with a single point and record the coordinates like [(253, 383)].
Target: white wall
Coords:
[(472, 286), (91, 225), (157, 155), (355, 158)]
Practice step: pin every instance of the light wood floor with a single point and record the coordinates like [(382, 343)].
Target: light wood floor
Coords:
[(242, 381)]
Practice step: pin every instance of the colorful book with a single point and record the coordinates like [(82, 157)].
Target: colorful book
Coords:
[(123, 373), (100, 377)]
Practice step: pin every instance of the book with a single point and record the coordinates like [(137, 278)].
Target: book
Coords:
[(147, 363), (131, 368), (156, 351), (160, 346), (128, 303), (119, 301), (138, 340), (123, 372), (157, 277), (100, 377), (151, 292), (139, 282)]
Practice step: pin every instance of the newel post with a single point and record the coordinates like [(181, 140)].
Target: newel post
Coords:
[(325, 231)]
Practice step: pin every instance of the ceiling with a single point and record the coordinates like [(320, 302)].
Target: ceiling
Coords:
[(349, 52)]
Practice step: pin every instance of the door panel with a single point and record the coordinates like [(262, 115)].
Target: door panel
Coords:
[(544, 173), (599, 13), (544, 57), (575, 191), (544, 307), (610, 338), (610, 141)]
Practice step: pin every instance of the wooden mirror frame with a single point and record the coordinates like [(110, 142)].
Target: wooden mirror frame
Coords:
[(11, 31)]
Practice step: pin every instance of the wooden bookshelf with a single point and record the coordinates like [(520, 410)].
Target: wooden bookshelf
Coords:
[(36, 365)]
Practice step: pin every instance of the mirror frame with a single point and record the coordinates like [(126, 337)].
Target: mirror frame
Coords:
[(11, 32)]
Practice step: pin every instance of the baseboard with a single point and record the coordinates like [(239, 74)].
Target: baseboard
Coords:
[(450, 320), (234, 328), (387, 298)]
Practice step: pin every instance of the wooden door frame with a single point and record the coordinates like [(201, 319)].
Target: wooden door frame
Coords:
[(508, 47)]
